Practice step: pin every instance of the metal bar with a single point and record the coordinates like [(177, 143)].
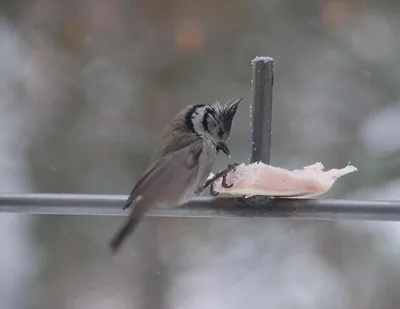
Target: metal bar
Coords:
[(263, 80), (204, 207)]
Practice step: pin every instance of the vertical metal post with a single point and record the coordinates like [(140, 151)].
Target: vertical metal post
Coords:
[(263, 80)]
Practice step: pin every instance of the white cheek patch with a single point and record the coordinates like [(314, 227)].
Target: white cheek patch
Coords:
[(197, 120)]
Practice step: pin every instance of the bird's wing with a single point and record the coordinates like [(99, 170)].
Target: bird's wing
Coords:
[(145, 175), (169, 179), (183, 160)]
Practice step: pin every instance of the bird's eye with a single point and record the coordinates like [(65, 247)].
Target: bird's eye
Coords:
[(220, 133)]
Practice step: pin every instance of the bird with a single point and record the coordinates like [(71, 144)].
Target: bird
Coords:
[(181, 164)]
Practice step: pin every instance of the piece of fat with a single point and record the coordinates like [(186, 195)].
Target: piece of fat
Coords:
[(262, 179)]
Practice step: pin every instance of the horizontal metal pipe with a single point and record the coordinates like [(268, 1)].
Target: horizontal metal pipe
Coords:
[(205, 207)]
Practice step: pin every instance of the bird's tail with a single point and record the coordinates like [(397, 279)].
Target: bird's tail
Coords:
[(125, 231)]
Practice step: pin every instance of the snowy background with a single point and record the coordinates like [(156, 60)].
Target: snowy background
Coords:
[(86, 88)]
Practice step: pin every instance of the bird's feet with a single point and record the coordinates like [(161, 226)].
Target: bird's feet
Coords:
[(221, 174)]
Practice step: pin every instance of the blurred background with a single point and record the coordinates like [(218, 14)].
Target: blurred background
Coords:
[(86, 88)]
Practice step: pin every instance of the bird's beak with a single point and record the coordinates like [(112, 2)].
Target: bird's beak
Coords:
[(224, 148)]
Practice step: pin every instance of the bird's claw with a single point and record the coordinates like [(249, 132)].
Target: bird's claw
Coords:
[(231, 168), (212, 191), (223, 174)]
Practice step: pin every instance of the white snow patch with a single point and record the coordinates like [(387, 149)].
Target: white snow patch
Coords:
[(262, 58)]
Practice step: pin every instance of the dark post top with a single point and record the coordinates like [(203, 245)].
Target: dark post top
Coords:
[(263, 79)]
